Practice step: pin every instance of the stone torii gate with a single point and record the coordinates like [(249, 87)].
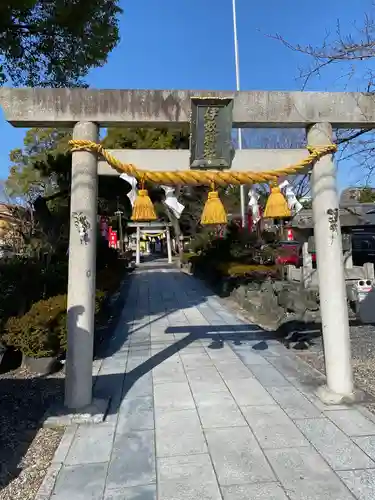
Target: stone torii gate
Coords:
[(85, 110), (152, 228)]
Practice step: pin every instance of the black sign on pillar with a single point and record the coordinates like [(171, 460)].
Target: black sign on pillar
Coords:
[(211, 133)]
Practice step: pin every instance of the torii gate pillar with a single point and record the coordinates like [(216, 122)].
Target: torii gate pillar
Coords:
[(82, 272), (330, 265), (169, 246)]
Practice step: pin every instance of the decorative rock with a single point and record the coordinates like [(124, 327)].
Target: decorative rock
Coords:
[(297, 300), (41, 366), (240, 294)]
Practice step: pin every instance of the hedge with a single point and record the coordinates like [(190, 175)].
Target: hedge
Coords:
[(234, 269), (187, 256), (42, 331), (25, 281)]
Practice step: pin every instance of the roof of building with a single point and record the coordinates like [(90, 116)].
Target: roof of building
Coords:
[(350, 215)]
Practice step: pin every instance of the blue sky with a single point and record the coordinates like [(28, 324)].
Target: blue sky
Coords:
[(189, 44)]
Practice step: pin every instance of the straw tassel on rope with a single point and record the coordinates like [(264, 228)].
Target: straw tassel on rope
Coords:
[(143, 209), (276, 206), (213, 211)]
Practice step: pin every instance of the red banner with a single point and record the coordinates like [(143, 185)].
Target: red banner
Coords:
[(112, 238)]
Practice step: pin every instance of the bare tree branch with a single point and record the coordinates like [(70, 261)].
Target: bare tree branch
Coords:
[(353, 52)]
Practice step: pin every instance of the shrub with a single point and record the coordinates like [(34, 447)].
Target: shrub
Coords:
[(108, 279), (186, 257), (54, 278), (15, 294), (33, 298), (106, 257), (24, 281), (42, 331), (100, 297), (201, 241), (234, 269), (249, 271)]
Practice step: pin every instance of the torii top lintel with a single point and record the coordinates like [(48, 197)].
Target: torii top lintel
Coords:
[(39, 107)]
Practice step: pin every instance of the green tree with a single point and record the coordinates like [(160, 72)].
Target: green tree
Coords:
[(31, 174), (40, 179), (54, 43), (367, 195), (146, 138)]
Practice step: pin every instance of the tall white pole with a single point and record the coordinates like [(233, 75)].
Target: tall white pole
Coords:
[(237, 64)]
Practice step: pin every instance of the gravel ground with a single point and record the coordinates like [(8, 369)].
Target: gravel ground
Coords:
[(363, 354), (26, 449)]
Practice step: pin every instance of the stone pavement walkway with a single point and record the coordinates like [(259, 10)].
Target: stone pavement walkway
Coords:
[(206, 407)]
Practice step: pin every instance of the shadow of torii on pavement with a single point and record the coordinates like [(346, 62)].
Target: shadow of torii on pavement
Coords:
[(219, 335)]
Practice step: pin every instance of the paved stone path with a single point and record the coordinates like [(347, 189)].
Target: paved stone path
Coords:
[(205, 407)]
